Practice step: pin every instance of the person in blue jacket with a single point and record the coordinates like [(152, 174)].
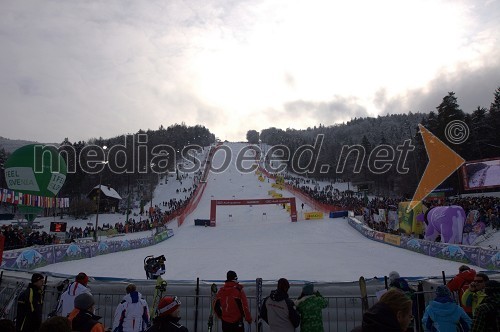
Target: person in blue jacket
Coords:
[(444, 314)]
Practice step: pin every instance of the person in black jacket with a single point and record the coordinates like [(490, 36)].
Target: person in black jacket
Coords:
[(29, 305), (278, 311), (168, 316)]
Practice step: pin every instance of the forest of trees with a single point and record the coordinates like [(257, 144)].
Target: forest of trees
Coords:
[(483, 142), (370, 133)]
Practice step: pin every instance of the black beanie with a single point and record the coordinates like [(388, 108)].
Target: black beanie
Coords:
[(35, 277), (283, 285), (231, 275)]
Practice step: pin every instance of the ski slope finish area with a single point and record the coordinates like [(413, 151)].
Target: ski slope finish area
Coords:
[(259, 241)]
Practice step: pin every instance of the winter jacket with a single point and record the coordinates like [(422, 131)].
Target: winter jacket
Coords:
[(29, 309), (167, 324), (487, 315), (309, 308), (444, 315), (460, 283), (402, 284), (67, 301), (86, 321), (231, 304), (380, 318), (132, 314), (473, 299), (279, 312)]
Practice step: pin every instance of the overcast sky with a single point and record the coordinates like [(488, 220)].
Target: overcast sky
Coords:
[(83, 69)]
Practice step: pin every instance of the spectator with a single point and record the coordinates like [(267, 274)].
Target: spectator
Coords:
[(79, 286), (6, 325), (29, 306), (231, 305), (475, 294), (487, 317), (132, 314), (444, 314), (168, 316), (395, 281), (309, 305), (85, 320), (391, 314), (460, 283), (56, 324), (278, 311)]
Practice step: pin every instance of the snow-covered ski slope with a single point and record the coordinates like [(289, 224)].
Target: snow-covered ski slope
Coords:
[(260, 241)]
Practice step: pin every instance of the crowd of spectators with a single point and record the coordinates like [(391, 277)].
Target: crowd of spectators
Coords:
[(16, 238)]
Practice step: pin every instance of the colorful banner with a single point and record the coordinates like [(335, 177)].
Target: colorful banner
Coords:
[(18, 198), (485, 258), (408, 219), (35, 257)]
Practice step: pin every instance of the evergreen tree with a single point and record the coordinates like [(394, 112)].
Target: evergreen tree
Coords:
[(253, 137), (493, 145)]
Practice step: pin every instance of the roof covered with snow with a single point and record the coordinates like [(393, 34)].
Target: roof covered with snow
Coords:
[(107, 191)]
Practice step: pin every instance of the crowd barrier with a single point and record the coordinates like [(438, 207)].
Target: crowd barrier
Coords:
[(486, 258), (35, 257), (342, 314)]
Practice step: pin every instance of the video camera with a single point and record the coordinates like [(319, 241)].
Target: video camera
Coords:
[(154, 266)]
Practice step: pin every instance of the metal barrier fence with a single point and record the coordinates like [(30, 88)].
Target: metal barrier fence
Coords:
[(342, 314)]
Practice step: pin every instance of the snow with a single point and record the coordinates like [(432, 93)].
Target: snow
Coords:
[(257, 241)]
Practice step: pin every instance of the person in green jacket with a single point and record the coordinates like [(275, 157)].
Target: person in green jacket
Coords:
[(309, 305)]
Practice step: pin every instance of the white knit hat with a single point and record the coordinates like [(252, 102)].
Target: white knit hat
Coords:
[(393, 276)]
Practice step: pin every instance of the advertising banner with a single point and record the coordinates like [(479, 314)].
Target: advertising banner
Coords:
[(408, 219), (35, 257), (489, 259), (313, 215), (393, 239)]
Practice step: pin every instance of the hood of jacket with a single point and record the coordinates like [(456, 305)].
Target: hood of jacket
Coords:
[(234, 284), (277, 295), (468, 275), (133, 297), (444, 311), (302, 299)]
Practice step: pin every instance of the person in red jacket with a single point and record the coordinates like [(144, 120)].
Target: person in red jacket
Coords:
[(460, 283), (231, 305)]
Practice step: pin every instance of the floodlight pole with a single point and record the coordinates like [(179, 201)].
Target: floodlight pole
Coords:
[(99, 196)]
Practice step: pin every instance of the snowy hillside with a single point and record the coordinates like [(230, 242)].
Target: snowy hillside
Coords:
[(260, 241)]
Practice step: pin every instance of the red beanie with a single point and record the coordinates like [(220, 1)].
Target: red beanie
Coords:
[(82, 278), (168, 305)]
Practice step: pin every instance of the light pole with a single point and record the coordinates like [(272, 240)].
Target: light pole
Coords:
[(99, 195)]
